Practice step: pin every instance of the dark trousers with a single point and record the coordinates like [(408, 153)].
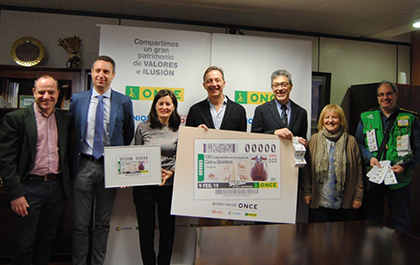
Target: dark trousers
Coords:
[(399, 206), (145, 199), (33, 234), (323, 214), (90, 195)]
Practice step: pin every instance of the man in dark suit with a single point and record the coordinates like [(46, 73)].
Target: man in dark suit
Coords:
[(35, 172), (216, 112), (281, 116), (284, 118), (101, 117)]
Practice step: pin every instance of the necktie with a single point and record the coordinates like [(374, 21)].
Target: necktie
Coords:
[(284, 115), (98, 139)]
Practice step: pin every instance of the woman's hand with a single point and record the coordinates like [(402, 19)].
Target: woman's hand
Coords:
[(166, 174), (307, 199), (203, 126), (357, 204)]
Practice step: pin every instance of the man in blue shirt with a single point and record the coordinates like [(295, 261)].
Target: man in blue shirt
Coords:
[(100, 117)]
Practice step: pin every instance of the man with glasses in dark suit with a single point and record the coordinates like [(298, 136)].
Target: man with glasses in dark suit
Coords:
[(281, 116)]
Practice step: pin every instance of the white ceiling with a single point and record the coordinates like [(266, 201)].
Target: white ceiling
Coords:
[(377, 19)]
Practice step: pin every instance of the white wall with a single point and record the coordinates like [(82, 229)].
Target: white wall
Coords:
[(48, 28), (355, 62), (350, 62), (404, 61)]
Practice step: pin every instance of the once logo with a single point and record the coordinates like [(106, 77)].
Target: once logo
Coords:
[(268, 185), (148, 93), (253, 206), (140, 118), (253, 97)]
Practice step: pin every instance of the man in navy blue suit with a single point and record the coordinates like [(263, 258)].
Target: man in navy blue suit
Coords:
[(100, 117)]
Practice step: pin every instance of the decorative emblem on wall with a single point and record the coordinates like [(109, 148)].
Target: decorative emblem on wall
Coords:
[(27, 51), (72, 46)]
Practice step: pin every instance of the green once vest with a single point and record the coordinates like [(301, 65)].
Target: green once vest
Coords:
[(402, 126)]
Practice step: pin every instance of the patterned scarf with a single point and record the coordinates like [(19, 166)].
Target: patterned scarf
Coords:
[(340, 158)]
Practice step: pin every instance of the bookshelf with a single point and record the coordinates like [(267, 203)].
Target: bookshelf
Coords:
[(18, 81)]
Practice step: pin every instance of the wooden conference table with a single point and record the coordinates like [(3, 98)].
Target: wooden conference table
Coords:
[(358, 242)]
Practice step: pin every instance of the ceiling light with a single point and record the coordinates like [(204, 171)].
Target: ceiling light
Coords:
[(416, 24)]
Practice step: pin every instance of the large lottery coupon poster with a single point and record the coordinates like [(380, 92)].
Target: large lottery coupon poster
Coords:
[(235, 175), (236, 169)]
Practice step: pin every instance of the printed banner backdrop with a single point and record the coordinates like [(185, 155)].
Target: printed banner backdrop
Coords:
[(249, 61), (150, 59), (147, 61), (123, 243)]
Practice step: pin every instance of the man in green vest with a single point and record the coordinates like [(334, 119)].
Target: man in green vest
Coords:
[(389, 133)]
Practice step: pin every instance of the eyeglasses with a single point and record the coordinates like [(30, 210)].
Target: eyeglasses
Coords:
[(210, 81), (387, 94), (277, 85)]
